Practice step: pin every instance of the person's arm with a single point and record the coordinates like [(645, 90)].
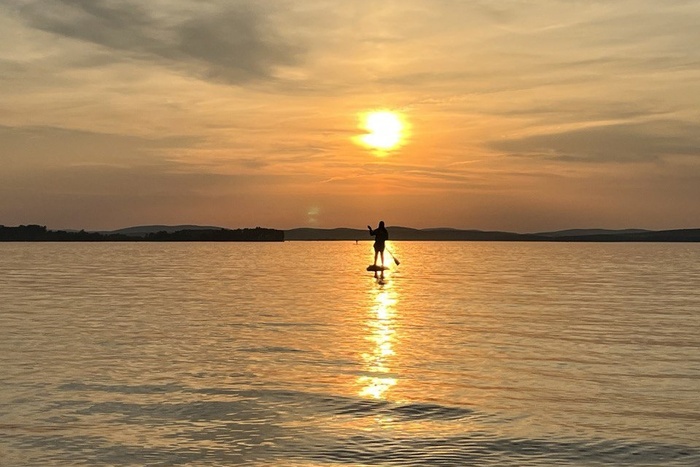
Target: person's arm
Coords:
[(371, 232)]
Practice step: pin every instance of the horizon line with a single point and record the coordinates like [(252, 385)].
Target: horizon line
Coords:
[(362, 229)]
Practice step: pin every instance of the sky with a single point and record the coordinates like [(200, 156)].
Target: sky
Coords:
[(521, 116)]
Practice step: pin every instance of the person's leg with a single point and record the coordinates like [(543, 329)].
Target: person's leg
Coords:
[(382, 258), (375, 257)]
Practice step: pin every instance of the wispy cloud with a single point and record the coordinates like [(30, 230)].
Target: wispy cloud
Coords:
[(610, 143), (32, 147), (230, 42)]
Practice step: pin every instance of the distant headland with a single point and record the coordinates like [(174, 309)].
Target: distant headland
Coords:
[(195, 233), (39, 233), (448, 234)]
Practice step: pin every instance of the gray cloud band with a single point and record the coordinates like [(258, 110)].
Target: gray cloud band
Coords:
[(610, 143), (233, 44)]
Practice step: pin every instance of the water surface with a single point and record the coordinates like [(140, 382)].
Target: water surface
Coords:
[(292, 354)]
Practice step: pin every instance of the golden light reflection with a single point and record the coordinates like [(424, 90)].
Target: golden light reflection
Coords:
[(385, 130), (381, 334)]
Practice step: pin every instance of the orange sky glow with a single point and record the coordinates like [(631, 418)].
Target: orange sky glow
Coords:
[(509, 116)]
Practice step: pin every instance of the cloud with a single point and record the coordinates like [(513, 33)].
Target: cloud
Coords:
[(610, 143), (67, 178), (39, 147), (233, 44), (404, 178), (549, 84), (110, 196)]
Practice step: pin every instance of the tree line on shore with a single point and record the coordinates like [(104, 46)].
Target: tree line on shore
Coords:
[(39, 233)]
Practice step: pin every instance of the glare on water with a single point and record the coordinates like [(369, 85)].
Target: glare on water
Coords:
[(380, 326)]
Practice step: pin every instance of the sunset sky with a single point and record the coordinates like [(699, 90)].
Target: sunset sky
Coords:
[(518, 115)]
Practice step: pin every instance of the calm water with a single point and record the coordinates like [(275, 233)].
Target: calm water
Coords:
[(291, 354)]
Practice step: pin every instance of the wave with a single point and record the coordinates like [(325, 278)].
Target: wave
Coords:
[(175, 424)]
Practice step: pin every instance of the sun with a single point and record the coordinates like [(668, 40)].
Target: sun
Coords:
[(384, 130)]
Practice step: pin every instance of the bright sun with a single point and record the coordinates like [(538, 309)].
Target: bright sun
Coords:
[(385, 130)]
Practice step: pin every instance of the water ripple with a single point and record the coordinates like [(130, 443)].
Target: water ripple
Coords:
[(264, 355), (259, 426)]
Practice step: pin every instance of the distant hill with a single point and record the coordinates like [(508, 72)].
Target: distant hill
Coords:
[(39, 233), (406, 233), (680, 235), (143, 230), (307, 233), (190, 233), (450, 234), (217, 235), (584, 232)]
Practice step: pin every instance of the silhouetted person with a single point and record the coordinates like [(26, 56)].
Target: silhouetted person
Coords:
[(381, 235)]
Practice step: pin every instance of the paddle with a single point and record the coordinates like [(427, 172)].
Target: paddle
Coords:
[(392, 255)]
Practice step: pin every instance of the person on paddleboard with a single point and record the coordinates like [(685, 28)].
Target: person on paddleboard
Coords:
[(381, 235)]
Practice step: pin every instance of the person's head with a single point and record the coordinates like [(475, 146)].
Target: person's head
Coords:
[(381, 224)]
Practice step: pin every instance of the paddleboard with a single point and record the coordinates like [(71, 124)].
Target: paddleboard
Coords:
[(372, 267)]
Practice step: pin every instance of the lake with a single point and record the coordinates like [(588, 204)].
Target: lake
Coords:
[(291, 354)]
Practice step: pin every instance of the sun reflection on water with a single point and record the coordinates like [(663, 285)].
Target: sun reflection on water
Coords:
[(381, 334)]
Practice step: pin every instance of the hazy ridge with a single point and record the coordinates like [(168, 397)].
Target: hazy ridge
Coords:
[(211, 233), (450, 234)]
